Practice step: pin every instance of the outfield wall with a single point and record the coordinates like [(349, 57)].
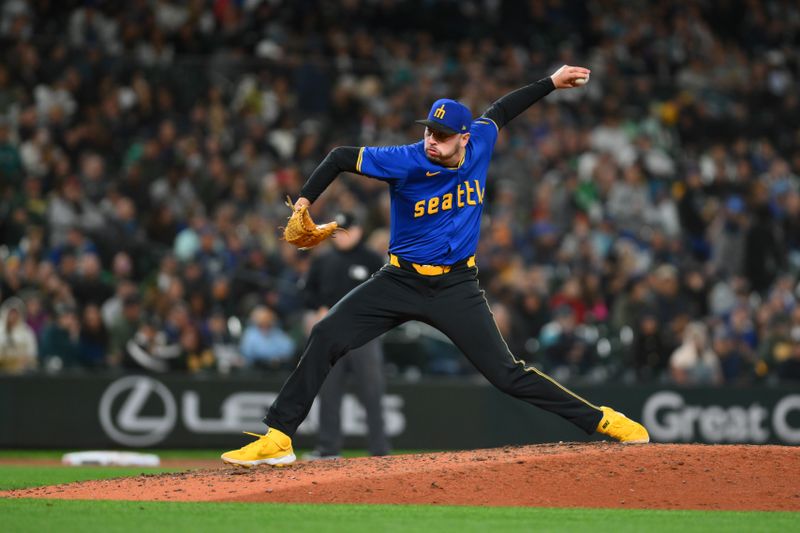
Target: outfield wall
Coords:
[(140, 411)]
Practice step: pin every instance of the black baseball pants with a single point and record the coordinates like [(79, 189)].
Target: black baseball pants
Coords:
[(454, 304)]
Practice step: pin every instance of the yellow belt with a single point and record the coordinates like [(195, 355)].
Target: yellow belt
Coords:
[(429, 270)]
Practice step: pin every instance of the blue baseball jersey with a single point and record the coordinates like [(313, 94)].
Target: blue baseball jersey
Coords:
[(435, 210)]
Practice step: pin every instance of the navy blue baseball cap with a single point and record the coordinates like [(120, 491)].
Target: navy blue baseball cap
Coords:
[(448, 116)]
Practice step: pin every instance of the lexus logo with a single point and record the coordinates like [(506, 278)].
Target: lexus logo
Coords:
[(140, 411), (121, 411)]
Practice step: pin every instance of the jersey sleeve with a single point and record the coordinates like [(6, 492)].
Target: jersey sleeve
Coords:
[(385, 162), (484, 131)]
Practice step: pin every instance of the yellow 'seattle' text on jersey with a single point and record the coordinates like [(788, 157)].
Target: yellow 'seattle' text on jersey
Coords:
[(435, 210)]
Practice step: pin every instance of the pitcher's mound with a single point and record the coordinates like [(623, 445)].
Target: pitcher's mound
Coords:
[(652, 476)]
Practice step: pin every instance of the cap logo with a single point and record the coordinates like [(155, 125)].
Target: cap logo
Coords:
[(439, 113)]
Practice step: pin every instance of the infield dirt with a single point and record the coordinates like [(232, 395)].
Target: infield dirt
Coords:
[(650, 476)]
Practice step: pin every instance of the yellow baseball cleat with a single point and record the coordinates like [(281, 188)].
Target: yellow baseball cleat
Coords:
[(274, 449), (620, 427)]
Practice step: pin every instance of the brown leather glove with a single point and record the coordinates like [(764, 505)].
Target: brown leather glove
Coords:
[(303, 232)]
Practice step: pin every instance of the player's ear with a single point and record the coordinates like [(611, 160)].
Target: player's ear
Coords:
[(464, 139)]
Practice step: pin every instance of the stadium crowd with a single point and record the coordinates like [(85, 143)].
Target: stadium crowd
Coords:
[(647, 225)]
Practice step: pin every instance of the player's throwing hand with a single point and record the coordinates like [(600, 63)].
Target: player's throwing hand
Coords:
[(568, 77)]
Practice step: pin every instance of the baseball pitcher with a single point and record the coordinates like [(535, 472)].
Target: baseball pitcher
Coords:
[(437, 188)]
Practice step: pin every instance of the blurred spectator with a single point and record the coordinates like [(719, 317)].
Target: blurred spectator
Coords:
[(593, 298), (17, 340), (570, 296), (13, 282), (149, 348), (777, 345), (174, 191), (224, 343), (529, 315), (728, 236), (61, 341), (765, 257), (178, 319), (187, 241), (264, 344), (93, 338), (789, 369), (630, 306), (566, 352), (629, 200), (735, 364), (111, 310), (694, 362), (36, 315), (70, 208), (11, 170), (124, 327), (670, 305), (197, 356), (669, 185), (88, 287), (650, 356), (220, 296)]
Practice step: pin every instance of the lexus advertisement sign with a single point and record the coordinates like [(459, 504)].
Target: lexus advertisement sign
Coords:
[(145, 411), (123, 417)]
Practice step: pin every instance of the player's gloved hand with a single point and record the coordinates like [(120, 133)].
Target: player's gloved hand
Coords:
[(302, 231), (567, 77)]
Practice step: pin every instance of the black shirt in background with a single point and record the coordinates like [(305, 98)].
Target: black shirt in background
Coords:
[(335, 273)]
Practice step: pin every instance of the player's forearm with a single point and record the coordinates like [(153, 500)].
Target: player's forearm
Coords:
[(515, 102), (340, 159)]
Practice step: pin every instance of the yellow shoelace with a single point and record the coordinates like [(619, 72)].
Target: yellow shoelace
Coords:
[(256, 443)]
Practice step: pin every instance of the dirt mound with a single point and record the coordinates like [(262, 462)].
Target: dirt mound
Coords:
[(652, 476)]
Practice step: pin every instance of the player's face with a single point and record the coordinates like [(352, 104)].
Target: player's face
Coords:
[(444, 149)]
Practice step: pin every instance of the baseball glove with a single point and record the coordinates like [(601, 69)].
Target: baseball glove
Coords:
[(303, 232)]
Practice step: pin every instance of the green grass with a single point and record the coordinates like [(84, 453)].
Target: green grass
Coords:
[(88, 516), (85, 516), (18, 476), (171, 454), (56, 454)]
